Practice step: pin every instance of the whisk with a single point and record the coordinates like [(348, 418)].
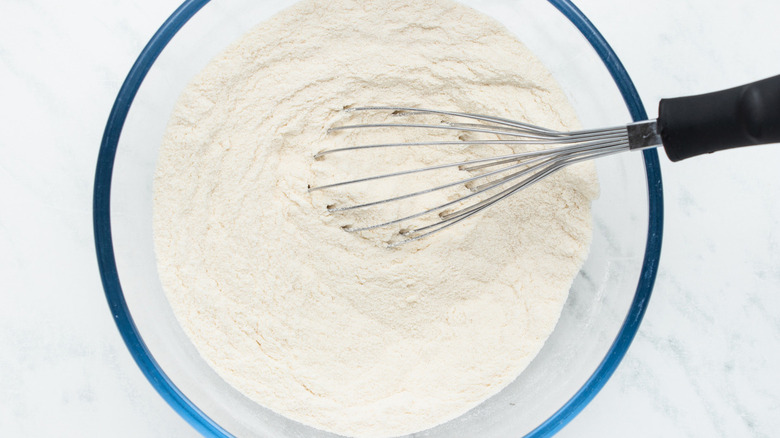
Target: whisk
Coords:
[(685, 127)]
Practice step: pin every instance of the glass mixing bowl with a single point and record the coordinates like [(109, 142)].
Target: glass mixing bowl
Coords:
[(599, 320)]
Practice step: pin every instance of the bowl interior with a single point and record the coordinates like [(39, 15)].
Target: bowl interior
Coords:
[(599, 299)]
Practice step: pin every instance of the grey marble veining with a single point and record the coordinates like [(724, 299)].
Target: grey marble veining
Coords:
[(704, 363)]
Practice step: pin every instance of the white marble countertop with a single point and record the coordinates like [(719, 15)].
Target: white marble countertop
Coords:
[(704, 363)]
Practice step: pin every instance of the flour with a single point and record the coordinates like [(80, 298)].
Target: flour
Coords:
[(329, 328)]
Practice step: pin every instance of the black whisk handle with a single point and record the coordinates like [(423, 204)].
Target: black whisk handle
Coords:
[(706, 123)]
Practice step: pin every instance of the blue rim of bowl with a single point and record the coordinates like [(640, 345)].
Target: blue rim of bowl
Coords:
[(191, 413)]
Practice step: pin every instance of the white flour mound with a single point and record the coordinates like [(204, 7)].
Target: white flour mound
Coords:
[(331, 328)]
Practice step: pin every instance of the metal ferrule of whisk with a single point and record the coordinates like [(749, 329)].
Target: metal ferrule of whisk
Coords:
[(502, 176)]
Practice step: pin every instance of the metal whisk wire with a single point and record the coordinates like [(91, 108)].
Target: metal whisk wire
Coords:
[(520, 169)]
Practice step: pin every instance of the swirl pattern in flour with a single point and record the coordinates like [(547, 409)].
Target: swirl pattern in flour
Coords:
[(330, 328)]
